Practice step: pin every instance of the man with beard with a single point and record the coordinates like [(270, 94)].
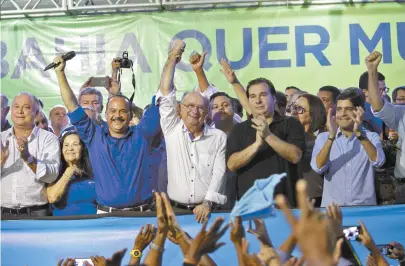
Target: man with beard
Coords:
[(117, 152), (347, 154)]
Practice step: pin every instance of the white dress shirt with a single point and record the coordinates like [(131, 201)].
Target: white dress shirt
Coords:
[(196, 167), (20, 186)]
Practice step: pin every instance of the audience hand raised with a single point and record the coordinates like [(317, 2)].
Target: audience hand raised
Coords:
[(206, 241), (197, 61)]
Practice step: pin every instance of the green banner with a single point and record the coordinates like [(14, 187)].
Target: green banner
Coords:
[(304, 46)]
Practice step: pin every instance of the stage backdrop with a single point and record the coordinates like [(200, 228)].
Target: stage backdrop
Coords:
[(43, 242), (305, 46)]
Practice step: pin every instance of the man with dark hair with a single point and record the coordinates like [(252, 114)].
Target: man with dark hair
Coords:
[(376, 123), (222, 116), (328, 96), (222, 112), (290, 90), (117, 152), (347, 154), (267, 144)]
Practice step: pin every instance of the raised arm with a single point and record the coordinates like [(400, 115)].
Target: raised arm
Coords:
[(372, 62), (66, 92), (115, 86), (237, 86), (197, 63), (166, 80)]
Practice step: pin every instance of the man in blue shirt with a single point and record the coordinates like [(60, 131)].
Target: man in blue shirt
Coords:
[(347, 154), (117, 152)]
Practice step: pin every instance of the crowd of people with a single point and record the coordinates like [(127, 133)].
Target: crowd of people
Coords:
[(197, 150), (198, 155), (319, 236)]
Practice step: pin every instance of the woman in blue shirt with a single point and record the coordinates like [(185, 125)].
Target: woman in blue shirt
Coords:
[(74, 192)]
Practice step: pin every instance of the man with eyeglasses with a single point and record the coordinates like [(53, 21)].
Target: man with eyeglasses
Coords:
[(117, 152), (376, 123), (393, 116), (195, 151)]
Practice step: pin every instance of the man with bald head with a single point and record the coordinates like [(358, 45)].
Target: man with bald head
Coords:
[(59, 119), (30, 159), (195, 151), (4, 112), (117, 152)]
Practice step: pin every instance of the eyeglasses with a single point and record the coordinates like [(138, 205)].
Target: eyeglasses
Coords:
[(386, 90), (191, 107), (298, 109)]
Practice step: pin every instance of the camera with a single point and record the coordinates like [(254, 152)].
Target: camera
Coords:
[(124, 61)]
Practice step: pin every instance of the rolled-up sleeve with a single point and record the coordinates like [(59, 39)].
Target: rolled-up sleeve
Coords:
[(216, 189), (208, 92), (375, 140), (392, 115), (168, 111), (319, 143), (49, 161), (83, 124)]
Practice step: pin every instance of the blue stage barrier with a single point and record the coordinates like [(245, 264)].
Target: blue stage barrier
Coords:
[(44, 242)]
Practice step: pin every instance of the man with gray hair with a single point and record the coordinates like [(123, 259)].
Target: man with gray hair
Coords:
[(92, 98), (195, 151), (30, 159), (4, 111)]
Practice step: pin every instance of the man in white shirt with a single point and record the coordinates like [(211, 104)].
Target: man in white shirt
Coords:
[(195, 151), (30, 158)]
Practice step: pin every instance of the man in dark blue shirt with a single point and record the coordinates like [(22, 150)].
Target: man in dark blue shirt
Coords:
[(117, 152)]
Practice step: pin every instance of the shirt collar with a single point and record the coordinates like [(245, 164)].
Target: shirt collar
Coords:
[(206, 131), (33, 134), (107, 132), (340, 133)]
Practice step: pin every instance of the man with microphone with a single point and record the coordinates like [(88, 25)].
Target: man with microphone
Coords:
[(117, 152)]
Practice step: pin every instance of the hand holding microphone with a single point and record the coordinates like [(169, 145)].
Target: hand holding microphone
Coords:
[(59, 62)]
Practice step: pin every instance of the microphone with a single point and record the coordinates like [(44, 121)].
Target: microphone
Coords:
[(65, 57)]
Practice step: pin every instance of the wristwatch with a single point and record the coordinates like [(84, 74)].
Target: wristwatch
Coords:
[(210, 204), (136, 253), (30, 159)]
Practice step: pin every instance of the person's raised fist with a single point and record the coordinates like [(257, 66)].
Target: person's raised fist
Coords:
[(177, 49), (61, 66), (373, 60)]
